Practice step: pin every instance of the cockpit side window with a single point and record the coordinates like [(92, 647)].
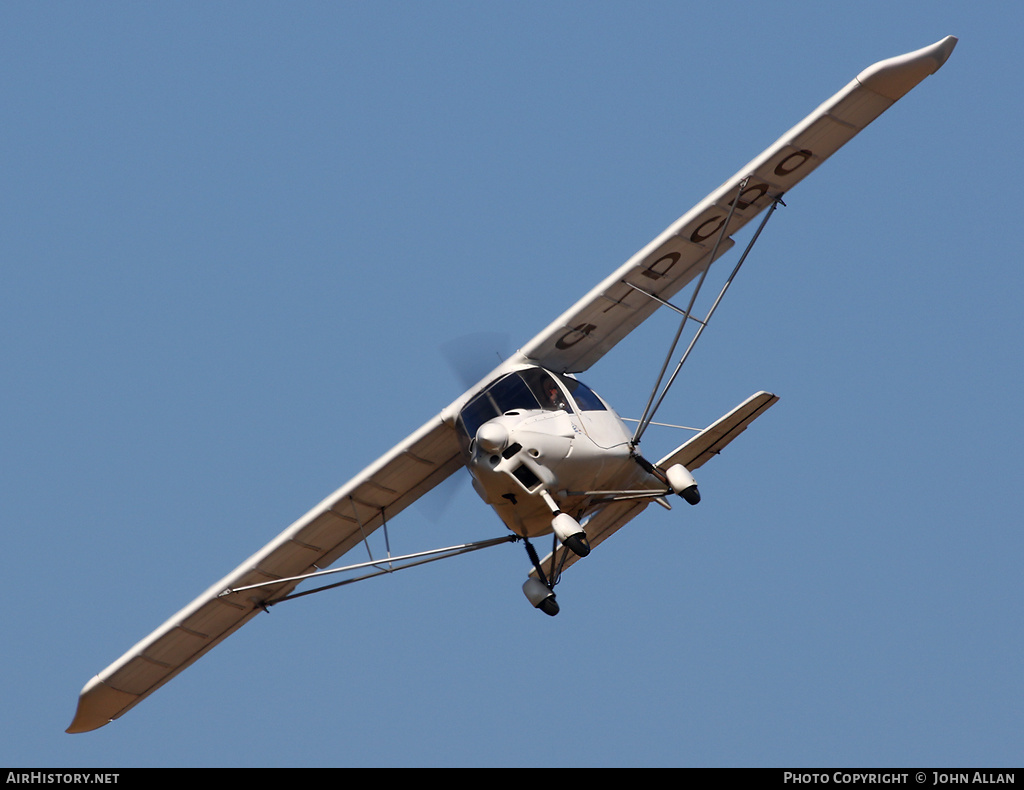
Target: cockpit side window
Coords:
[(545, 389), (585, 397)]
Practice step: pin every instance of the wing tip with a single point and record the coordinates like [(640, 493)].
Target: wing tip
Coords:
[(98, 705), (894, 78)]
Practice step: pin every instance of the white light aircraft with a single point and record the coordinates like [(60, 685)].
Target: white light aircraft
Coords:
[(546, 452)]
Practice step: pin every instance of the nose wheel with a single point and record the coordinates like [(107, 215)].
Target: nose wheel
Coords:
[(571, 534), (566, 528)]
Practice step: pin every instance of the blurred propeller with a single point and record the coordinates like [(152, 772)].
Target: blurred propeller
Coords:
[(473, 356), (435, 505)]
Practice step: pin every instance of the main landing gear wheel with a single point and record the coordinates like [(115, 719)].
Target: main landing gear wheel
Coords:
[(538, 590), (682, 483)]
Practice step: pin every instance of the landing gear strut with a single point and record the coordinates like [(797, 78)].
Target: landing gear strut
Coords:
[(541, 596), (566, 528), (539, 591)]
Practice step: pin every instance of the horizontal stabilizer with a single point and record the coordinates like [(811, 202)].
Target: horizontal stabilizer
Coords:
[(708, 443), (693, 454)]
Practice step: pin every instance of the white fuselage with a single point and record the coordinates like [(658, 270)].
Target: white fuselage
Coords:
[(570, 448)]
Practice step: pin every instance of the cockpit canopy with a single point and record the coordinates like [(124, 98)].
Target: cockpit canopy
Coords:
[(528, 389)]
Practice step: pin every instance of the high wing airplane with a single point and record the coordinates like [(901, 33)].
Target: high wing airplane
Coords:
[(544, 451)]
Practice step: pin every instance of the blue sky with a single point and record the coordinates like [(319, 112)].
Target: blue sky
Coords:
[(236, 238)]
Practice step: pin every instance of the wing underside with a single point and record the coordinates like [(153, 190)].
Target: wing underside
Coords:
[(315, 541), (592, 326)]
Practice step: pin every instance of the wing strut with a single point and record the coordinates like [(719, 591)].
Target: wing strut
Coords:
[(652, 404), (388, 565)]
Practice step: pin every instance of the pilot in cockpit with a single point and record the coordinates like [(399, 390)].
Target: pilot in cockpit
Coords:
[(554, 399)]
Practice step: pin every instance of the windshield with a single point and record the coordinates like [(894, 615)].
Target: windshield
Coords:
[(528, 389), (521, 390)]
